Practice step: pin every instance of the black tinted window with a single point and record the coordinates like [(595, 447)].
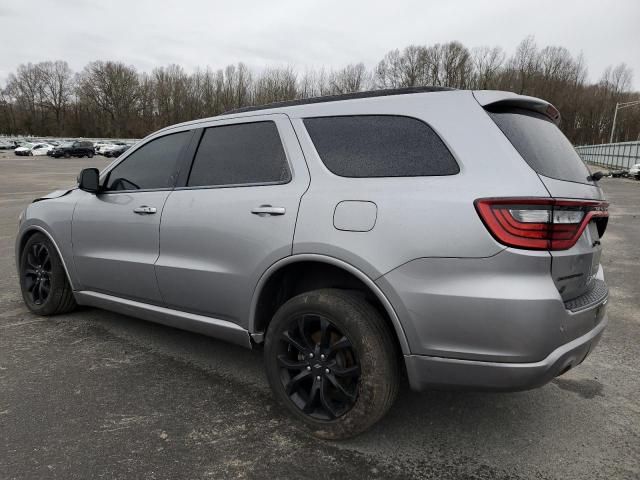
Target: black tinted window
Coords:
[(151, 166), (380, 146), (240, 154), (542, 145)]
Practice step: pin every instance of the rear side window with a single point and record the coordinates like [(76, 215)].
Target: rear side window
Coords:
[(151, 166), (541, 144), (246, 153), (380, 146)]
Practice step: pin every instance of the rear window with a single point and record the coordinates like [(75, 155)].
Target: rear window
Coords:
[(380, 146), (541, 144)]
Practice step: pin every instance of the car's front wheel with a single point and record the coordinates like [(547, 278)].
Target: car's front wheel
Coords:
[(43, 281), (331, 362)]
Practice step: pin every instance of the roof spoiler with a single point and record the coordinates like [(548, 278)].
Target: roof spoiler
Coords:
[(494, 98)]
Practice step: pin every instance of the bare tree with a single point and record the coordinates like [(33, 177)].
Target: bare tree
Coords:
[(110, 98), (487, 63), (524, 64), (58, 86), (275, 85), (351, 78), (26, 87), (406, 69), (113, 88)]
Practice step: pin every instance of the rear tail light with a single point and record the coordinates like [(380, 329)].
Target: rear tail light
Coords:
[(540, 223)]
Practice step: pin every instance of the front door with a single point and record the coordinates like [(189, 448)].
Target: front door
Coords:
[(115, 233), (233, 218)]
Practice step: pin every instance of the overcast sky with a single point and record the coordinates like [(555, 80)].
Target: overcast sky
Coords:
[(301, 33)]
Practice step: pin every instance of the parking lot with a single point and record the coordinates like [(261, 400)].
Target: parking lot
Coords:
[(94, 394)]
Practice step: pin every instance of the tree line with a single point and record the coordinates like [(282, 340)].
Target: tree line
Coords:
[(112, 99)]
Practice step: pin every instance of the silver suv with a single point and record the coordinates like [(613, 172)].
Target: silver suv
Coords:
[(449, 236)]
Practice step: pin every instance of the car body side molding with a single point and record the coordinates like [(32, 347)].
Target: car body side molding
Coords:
[(213, 327)]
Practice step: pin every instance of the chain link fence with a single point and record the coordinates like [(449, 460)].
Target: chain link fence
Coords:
[(621, 155)]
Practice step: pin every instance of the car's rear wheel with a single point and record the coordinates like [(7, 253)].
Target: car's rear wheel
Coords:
[(331, 362), (90, 155), (43, 281)]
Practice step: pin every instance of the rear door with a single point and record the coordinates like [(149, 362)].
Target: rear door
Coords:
[(547, 151), (233, 217), (116, 232)]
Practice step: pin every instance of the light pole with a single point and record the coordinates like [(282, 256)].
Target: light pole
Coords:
[(620, 106)]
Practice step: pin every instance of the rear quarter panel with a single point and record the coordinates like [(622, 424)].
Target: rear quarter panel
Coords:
[(416, 216)]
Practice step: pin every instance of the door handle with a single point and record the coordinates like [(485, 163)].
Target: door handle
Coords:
[(144, 210), (264, 210)]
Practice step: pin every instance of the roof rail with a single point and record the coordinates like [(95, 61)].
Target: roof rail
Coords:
[(344, 96)]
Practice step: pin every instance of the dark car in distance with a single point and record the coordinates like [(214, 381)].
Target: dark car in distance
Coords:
[(73, 149), (116, 152)]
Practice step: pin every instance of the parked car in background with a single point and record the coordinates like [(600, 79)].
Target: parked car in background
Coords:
[(7, 145), (634, 171), (117, 151), (106, 148), (23, 149), (78, 148), (98, 145), (618, 173), (41, 149), (447, 235)]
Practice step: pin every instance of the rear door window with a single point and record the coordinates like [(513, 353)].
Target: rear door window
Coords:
[(541, 144), (240, 154), (380, 146)]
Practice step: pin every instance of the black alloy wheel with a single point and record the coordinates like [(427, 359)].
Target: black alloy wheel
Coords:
[(319, 367), (37, 274), (331, 362), (43, 280)]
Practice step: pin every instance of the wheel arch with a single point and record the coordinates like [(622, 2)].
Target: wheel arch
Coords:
[(29, 232), (270, 281)]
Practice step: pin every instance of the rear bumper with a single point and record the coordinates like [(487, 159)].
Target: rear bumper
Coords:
[(495, 323), (433, 372)]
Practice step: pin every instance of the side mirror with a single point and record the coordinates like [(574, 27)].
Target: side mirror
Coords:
[(89, 180), (596, 176)]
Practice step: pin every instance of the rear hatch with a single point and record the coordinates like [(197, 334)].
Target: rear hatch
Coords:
[(531, 127)]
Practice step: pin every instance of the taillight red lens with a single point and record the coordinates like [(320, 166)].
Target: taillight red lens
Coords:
[(539, 223)]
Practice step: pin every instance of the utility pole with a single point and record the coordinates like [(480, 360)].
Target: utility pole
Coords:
[(620, 106)]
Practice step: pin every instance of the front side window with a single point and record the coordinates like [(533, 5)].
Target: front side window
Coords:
[(379, 146), (240, 154), (151, 166)]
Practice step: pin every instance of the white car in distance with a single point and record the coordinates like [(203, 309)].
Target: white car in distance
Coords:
[(40, 149), (23, 149)]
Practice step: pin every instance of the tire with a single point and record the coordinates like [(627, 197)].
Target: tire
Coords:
[(31, 154), (67, 155), (90, 155), (39, 262), (367, 361)]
